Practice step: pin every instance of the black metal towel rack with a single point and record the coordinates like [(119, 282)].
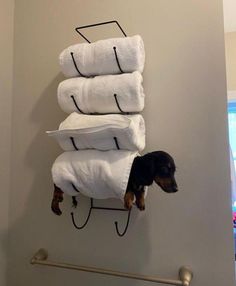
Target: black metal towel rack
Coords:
[(92, 207)]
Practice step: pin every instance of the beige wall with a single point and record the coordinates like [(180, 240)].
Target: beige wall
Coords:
[(184, 81), (6, 72), (230, 52)]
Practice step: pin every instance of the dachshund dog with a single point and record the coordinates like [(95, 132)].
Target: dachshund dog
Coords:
[(158, 167)]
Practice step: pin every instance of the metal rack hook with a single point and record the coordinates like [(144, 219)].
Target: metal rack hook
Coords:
[(73, 143), (76, 105), (126, 227), (118, 105), (87, 219), (117, 60), (75, 64)]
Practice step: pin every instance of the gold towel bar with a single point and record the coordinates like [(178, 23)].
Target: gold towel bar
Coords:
[(185, 274)]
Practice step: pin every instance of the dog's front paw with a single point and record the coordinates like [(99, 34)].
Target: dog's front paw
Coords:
[(140, 205), (128, 205), (57, 211), (128, 200), (140, 202), (55, 208)]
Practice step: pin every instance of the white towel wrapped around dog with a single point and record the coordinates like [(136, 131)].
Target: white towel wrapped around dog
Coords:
[(102, 94), (102, 132), (99, 58), (96, 174)]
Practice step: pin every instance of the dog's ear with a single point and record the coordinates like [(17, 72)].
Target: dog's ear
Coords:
[(145, 170)]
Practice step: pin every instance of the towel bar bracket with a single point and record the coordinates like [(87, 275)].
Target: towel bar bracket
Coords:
[(185, 273), (40, 255)]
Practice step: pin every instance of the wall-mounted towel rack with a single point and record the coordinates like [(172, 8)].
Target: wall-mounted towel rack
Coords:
[(185, 274)]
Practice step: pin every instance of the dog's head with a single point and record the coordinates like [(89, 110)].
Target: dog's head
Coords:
[(165, 171), (159, 166)]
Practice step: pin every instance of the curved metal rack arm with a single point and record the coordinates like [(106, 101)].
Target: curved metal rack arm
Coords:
[(92, 207), (85, 223), (126, 227)]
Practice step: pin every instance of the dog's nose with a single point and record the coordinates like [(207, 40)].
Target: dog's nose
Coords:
[(174, 186), (175, 189)]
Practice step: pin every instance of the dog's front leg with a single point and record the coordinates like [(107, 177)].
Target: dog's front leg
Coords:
[(57, 198), (128, 200), (140, 200)]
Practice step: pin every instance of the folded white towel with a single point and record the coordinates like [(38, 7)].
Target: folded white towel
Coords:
[(102, 94), (96, 174), (102, 132), (99, 58)]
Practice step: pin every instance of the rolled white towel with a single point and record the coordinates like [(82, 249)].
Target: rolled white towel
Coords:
[(99, 58), (96, 174), (102, 132), (102, 94)]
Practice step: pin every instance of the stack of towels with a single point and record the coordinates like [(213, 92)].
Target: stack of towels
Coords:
[(103, 132)]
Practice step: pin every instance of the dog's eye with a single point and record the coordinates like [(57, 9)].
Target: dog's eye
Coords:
[(164, 171)]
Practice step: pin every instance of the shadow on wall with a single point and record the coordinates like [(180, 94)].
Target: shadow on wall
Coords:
[(96, 245)]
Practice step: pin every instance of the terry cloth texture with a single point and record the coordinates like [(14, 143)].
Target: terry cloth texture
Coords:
[(102, 94)]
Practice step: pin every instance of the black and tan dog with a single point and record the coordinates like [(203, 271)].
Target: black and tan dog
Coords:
[(158, 167)]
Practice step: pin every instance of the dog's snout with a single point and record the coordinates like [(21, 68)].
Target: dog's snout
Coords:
[(174, 189), (174, 186), (169, 189), (167, 184)]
